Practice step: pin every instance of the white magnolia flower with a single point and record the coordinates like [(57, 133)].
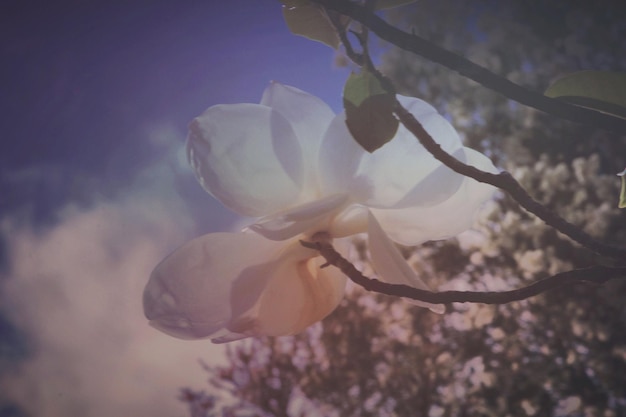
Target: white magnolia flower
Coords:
[(292, 162)]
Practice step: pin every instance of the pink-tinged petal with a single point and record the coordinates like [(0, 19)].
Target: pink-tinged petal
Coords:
[(227, 286), (298, 294), (415, 225), (309, 116), (390, 266), (350, 221), (248, 157), (188, 294), (392, 176), (306, 218)]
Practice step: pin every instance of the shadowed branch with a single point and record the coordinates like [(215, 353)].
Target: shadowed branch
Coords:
[(503, 180), (506, 182), (596, 275), (433, 52)]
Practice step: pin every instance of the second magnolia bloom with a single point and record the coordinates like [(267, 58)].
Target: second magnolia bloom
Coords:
[(292, 162)]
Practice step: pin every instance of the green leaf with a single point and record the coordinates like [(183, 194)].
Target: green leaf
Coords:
[(369, 111), (622, 194), (361, 86), (308, 20), (388, 4), (603, 91)]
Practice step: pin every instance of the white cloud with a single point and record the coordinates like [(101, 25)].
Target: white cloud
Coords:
[(76, 290)]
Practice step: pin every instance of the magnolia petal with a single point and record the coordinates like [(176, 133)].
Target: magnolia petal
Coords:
[(350, 221), (297, 294), (390, 177), (434, 123), (415, 225), (248, 157), (390, 266), (435, 187), (339, 159), (228, 286), (309, 116), (300, 219), (189, 292)]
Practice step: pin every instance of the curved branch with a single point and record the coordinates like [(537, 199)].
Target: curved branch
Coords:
[(467, 68), (503, 180), (506, 182), (596, 274)]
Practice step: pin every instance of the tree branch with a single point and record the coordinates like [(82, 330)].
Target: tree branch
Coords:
[(467, 68), (596, 274), (503, 180), (506, 182), (343, 37)]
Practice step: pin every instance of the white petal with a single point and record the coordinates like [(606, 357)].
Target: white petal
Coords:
[(435, 187), (189, 292), (339, 160), (300, 219), (228, 286), (390, 266), (297, 294), (435, 124), (392, 175), (350, 221), (248, 157), (309, 116), (415, 225)]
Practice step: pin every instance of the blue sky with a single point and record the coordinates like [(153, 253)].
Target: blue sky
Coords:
[(95, 189), (83, 78)]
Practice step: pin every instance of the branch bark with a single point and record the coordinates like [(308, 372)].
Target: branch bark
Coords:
[(596, 274), (469, 69), (506, 182), (503, 180)]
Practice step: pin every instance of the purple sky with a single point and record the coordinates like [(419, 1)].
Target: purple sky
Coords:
[(94, 188), (82, 78)]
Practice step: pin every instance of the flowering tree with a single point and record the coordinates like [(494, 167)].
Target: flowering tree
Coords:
[(561, 353), (318, 184)]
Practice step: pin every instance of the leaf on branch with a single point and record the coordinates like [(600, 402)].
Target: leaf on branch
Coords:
[(603, 91), (389, 4), (622, 194), (369, 111), (309, 20)]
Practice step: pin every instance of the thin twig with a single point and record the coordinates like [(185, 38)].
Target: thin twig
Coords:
[(356, 57), (596, 274), (420, 46)]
